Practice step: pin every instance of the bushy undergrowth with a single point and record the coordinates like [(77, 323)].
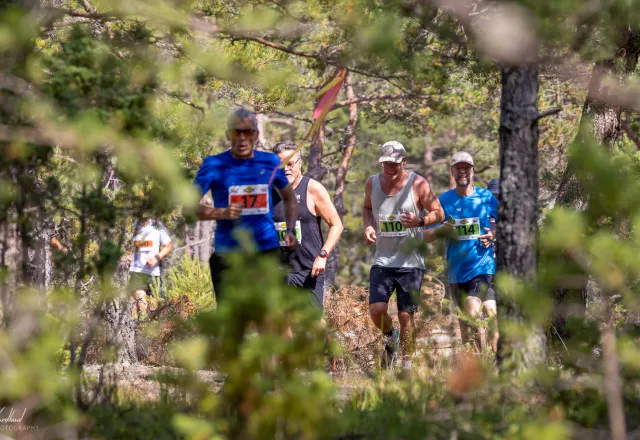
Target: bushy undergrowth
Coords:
[(189, 277)]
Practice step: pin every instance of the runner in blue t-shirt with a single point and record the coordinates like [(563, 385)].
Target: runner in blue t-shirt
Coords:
[(240, 181), (468, 212)]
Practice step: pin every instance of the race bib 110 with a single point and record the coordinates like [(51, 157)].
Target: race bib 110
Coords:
[(281, 228), (255, 198), (390, 226), (467, 228)]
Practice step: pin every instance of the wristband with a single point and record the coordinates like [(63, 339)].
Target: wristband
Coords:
[(292, 230), (422, 222), (158, 257)]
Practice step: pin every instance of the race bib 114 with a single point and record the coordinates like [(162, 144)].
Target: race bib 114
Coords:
[(390, 226), (281, 228), (255, 198), (467, 228)]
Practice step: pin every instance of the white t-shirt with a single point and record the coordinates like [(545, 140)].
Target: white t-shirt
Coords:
[(147, 242)]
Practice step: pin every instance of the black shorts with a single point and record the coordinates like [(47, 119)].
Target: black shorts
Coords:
[(141, 281), (219, 264), (315, 286), (480, 287), (406, 281)]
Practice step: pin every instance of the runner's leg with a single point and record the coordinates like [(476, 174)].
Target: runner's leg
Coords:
[(218, 266), (408, 283), (490, 308), (381, 287)]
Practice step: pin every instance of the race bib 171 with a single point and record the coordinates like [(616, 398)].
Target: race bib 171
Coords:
[(390, 226), (255, 198), (281, 227), (468, 228)]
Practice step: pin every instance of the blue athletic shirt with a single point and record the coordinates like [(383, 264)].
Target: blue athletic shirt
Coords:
[(248, 182), (467, 258)]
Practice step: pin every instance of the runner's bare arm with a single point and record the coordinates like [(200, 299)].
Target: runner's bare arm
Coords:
[(290, 215), (290, 206), (430, 202), (154, 259), (367, 214), (166, 250), (326, 209), (206, 212)]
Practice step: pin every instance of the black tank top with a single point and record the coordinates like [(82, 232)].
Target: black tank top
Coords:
[(311, 234)]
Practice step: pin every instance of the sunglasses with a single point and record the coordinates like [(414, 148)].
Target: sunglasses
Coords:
[(246, 131), (292, 163)]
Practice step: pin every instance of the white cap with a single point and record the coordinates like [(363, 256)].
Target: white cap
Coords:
[(461, 156), (392, 151)]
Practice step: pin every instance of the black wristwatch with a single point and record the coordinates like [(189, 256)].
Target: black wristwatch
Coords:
[(323, 254), (292, 230), (421, 222)]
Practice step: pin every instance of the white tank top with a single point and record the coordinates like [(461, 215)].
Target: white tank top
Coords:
[(395, 245)]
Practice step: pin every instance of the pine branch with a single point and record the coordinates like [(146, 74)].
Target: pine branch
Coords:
[(203, 25), (387, 97), (553, 111), (106, 16), (191, 104)]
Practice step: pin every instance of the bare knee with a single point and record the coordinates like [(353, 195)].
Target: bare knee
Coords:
[(490, 308), (376, 310), (473, 306)]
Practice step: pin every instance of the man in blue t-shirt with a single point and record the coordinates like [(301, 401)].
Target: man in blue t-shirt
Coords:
[(240, 181), (468, 212)]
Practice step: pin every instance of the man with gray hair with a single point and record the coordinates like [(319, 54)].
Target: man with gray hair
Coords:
[(240, 182), (397, 205), (309, 260)]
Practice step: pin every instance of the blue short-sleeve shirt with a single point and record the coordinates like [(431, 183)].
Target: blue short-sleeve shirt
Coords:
[(466, 256), (222, 173)]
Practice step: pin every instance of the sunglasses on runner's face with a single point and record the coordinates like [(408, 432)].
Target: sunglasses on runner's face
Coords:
[(246, 131), (292, 163)]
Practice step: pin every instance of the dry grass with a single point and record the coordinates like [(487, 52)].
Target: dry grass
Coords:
[(347, 312)]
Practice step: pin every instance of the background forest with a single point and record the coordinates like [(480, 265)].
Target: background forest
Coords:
[(108, 108)]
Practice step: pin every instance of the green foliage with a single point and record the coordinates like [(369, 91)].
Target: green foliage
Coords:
[(424, 406), (189, 277), (106, 120), (133, 421)]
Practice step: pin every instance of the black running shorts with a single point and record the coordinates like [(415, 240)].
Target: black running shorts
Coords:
[(315, 286), (480, 287), (405, 281)]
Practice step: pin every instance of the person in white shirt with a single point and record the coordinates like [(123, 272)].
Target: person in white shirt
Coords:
[(151, 244)]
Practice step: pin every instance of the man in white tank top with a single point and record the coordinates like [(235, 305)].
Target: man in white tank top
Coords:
[(397, 205)]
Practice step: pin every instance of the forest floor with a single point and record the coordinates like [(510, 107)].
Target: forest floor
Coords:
[(346, 310)]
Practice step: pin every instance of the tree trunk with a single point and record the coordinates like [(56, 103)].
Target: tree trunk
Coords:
[(9, 258), (206, 236), (518, 212), (40, 255), (121, 330), (428, 161), (612, 381), (605, 125), (262, 140), (315, 170), (341, 176), (606, 118)]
